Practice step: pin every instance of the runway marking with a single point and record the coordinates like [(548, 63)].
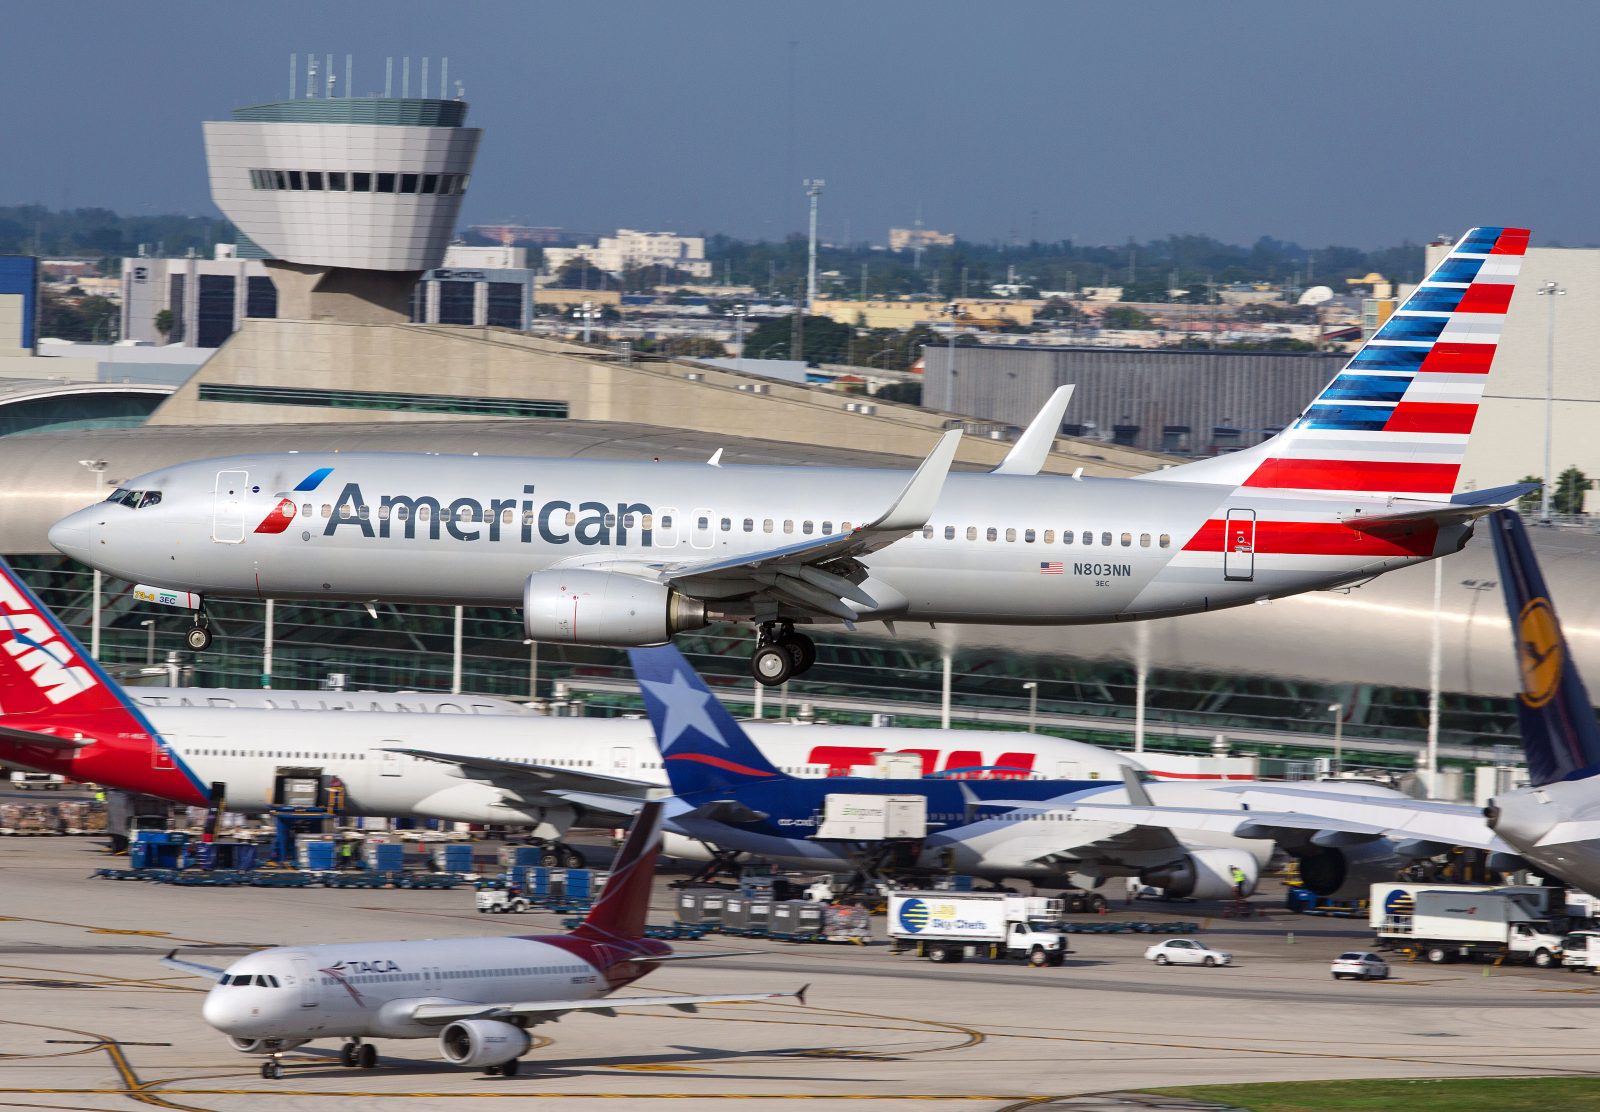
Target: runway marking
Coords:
[(118, 930), (506, 1094), (659, 1067)]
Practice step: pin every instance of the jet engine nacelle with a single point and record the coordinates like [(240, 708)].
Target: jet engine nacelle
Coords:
[(584, 607), (264, 1046), (685, 849), (1348, 872), (1204, 874), (483, 1042)]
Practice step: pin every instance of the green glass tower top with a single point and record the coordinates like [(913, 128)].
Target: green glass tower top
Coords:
[(384, 111)]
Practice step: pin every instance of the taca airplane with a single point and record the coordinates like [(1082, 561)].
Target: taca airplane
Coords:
[(618, 553), (477, 996), (60, 713)]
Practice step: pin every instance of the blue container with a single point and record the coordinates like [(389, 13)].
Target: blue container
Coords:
[(139, 855), (316, 856), (580, 884), (454, 858), (523, 856), (538, 882), (389, 857)]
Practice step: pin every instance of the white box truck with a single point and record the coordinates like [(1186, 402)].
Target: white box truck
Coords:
[(873, 818), (950, 926), (1581, 950), (1449, 923)]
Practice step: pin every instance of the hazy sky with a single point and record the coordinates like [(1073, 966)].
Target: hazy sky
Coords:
[(1357, 123)]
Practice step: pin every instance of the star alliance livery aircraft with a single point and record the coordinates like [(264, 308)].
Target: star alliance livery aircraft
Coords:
[(619, 553)]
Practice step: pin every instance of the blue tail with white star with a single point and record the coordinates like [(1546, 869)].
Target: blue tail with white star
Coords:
[(702, 747)]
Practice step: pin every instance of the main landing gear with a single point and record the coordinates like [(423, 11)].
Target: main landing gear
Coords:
[(781, 654), (357, 1053)]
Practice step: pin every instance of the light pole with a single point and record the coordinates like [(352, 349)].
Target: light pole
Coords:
[(1337, 710), (533, 670), (1551, 290), (1033, 704), (588, 312), (813, 191), (953, 311), (98, 468), (738, 312), (149, 641)]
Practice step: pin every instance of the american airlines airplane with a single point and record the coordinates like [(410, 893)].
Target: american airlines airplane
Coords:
[(60, 713), (477, 996), (617, 553)]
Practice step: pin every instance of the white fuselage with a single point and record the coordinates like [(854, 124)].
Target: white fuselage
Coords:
[(368, 989)]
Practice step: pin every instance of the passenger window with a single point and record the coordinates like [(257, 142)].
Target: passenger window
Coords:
[(827, 528), (1144, 540), (327, 510), (383, 513), (788, 525), (508, 516), (927, 532), (972, 532), (704, 523), (727, 525), (666, 521), (1087, 537), (1027, 536), (806, 527), (645, 522), (363, 511), (424, 513), (992, 533), (1166, 540), (1127, 540), (1011, 535), (766, 525), (1105, 539), (572, 519), (749, 525), (1050, 537), (949, 532), (611, 521)]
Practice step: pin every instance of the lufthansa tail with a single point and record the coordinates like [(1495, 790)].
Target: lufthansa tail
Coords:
[(1396, 420), (1559, 733), (702, 747)]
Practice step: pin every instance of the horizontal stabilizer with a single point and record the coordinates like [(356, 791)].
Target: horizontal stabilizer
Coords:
[(654, 958), (1494, 496), (43, 741)]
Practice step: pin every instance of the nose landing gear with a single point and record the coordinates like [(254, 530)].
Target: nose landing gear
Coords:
[(781, 654), (199, 636)]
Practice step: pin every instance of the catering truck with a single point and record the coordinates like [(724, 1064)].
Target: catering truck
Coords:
[(1446, 924), (950, 926)]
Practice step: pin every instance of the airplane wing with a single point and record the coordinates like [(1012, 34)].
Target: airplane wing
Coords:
[(623, 806), (795, 575), (518, 776), (209, 972), (543, 1011)]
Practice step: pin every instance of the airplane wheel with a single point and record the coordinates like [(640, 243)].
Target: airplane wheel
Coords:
[(271, 1070), (573, 859), (367, 1056), (802, 648), (198, 638), (348, 1052), (772, 665), (509, 1069)]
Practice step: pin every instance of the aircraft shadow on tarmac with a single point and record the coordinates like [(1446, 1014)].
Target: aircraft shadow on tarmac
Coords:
[(533, 1066)]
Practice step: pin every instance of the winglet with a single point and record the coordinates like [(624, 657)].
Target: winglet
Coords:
[(801, 995), (1137, 794), (1032, 448), (716, 458), (915, 504)]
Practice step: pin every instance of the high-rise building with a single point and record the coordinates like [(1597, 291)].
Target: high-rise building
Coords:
[(346, 199)]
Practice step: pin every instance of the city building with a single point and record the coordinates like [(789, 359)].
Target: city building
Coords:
[(348, 200), (518, 235), (204, 300), (971, 312), (631, 250), (912, 239), (19, 304)]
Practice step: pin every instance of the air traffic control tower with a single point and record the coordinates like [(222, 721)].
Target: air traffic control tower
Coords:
[(347, 199)]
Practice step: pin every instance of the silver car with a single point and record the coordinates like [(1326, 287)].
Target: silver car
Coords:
[(1359, 965)]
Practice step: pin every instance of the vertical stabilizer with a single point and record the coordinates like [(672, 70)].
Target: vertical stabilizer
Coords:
[(1396, 420), (624, 903), (1559, 733), (702, 747)]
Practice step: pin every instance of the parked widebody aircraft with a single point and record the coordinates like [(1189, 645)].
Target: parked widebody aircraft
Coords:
[(477, 996), (619, 553), (60, 713), (729, 796)]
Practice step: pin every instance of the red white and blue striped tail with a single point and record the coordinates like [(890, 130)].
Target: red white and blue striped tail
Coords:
[(1395, 421)]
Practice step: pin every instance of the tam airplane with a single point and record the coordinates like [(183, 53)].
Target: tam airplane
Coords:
[(61, 713), (615, 553), (477, 996)]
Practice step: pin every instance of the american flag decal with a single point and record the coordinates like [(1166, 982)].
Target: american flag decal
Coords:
[(1051, 567)]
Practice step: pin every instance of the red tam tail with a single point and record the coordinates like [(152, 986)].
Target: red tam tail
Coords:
[(622, 908)]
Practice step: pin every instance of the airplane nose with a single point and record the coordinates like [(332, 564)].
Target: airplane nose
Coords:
[(70, 536), (218, 1011)]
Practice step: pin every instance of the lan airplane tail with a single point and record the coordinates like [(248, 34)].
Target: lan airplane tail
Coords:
[(702, 747), (1559, 733), (1395, 421)]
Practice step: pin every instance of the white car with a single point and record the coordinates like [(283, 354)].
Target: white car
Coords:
[(1360, 965), (1186, 951)]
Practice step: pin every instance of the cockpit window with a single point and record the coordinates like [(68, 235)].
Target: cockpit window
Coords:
[(135, 499)]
